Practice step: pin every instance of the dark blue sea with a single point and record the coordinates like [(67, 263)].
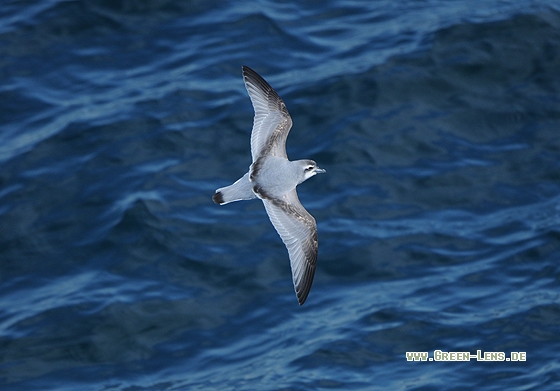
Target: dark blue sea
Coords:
[(438, 123)]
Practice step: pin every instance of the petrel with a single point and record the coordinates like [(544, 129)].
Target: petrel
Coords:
[(273, 178)]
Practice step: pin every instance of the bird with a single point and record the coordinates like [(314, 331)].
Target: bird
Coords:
[(273, 179)]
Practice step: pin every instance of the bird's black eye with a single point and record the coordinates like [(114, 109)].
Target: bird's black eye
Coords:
[(308, 168)]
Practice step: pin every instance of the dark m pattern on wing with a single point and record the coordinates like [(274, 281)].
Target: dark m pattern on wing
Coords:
[(307, 220), (278, 137)]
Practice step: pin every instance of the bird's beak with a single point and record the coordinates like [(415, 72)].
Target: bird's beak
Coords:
[(320, 171)]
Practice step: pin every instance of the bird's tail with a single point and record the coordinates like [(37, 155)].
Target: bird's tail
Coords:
[(242, 189)]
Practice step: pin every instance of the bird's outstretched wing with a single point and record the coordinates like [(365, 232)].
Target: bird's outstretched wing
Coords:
[(298, 231), (272, 121)]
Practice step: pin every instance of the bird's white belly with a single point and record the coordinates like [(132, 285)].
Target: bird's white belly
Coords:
[(274, 177)]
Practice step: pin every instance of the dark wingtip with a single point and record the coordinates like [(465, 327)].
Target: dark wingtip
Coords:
[(302, 291), (245, 68), (250, 74), (302, 296), (253, 77), (218, 198)]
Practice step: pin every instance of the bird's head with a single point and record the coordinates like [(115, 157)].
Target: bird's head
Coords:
[(309, 168)]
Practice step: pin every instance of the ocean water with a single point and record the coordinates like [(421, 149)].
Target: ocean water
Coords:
[(438, 123)]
